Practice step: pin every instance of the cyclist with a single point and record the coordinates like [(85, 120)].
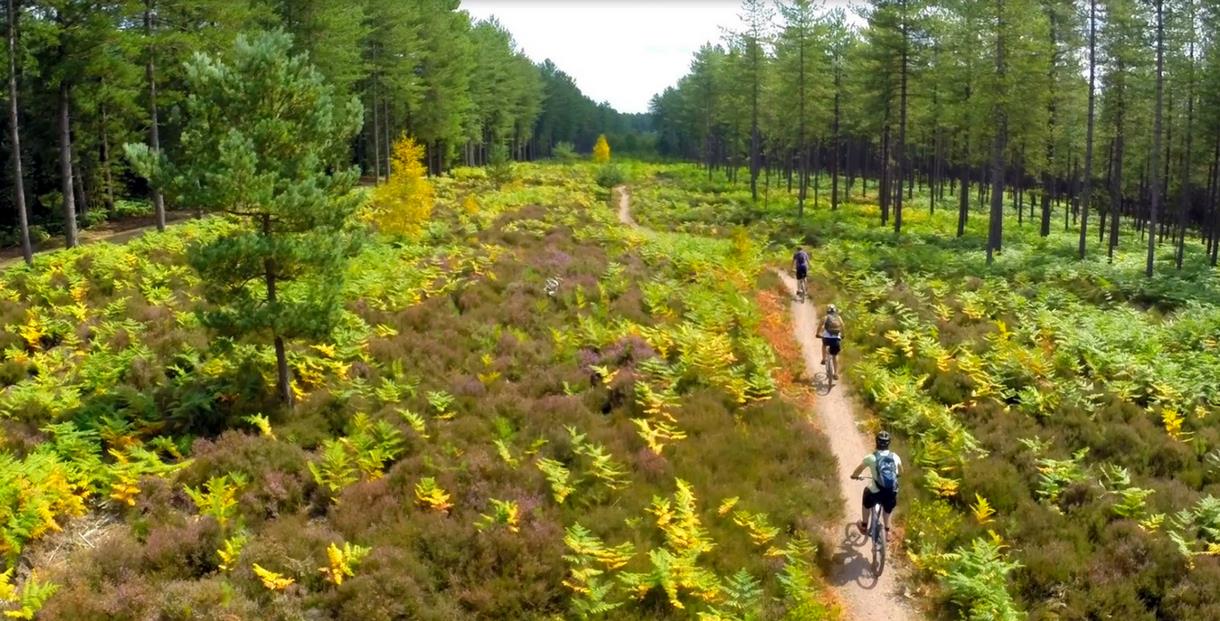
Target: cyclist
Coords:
[(800, 265), (886, 467), (832, 335)]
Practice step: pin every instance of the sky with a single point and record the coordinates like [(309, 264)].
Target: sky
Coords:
[(619, 51)]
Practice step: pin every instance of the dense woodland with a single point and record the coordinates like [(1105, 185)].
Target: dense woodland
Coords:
[(1109, 104), (87, 76)]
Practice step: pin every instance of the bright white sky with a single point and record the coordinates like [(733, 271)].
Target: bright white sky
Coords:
[(620, 51)]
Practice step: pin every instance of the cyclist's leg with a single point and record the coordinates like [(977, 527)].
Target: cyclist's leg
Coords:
[(869, 501), (889, 501), (835, 346)]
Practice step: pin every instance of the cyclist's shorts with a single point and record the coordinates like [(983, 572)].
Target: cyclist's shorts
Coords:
[(888, 499), (834, 344), (801, 272)]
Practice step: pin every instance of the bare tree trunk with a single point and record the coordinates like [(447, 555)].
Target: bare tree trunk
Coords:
[(995, 232), (837, 147), (104, 162), (1116, 181), (1155, 185), (283, 380), (885, 192), (65, 164), (1184, 191), (154, 131), (376, 134), (388, 143), (902, 127), (14, 133), (963, 205)]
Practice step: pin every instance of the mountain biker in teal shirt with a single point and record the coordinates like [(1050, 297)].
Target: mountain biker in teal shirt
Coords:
[(886, 467)]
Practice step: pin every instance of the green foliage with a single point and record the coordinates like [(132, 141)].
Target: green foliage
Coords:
[(977, 580), (26, 603), (610, 175), (277, 163), (363, 452), (218, 497)]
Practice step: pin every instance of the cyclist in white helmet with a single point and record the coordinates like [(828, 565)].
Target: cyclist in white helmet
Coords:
[(832, 335)]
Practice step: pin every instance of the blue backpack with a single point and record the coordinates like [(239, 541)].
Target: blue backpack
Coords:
[(887, 471)]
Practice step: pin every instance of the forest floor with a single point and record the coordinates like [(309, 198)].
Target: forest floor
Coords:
[(117, 232), (862, 595)]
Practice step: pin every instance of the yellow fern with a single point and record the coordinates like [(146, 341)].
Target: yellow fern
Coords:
[(272, 580)]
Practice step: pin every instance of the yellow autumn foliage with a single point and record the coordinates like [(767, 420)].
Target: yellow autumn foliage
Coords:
[(403, 204), (601, 150)]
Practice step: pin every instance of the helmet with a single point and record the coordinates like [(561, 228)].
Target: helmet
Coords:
[(883, 440), (831, 309)]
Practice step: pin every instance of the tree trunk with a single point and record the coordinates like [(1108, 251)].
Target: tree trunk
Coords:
[(65, 164), (885, 192), (283, 380), (996, 225), (963, 205), (1184, 191), (1116, 179), (14, 133), (1155, 185), (104, 162), (388, 142), (1214, 201), (902, 129), (838, 151), (755, 138), (154, 131), (15, 139), (376, 135)]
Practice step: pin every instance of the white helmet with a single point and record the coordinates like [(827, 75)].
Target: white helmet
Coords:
[(830, 309)]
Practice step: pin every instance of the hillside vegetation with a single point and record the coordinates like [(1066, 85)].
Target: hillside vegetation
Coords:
[(470, 442), (1062, 414)]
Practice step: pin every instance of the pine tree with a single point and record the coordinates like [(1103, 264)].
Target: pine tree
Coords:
[(284, 129), (756, 15)]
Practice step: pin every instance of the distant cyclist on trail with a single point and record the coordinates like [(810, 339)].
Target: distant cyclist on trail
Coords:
[(831, 334), (886, 467), (800, 265)]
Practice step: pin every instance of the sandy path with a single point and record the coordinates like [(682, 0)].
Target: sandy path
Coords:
[(863, 596), (12, 257), (624, 207)]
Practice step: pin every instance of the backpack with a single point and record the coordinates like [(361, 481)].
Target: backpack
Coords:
[(833, 325), (802, 260), (887, 471)]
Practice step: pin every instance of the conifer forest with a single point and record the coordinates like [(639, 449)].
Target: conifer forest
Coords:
[(366, 311)]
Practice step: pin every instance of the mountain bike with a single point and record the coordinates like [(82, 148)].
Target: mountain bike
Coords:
[(876, 533), (802, 291), (823, 381)]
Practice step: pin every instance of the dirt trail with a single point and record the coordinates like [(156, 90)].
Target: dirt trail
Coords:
[(12, 256), (863, 596), (624, 207)]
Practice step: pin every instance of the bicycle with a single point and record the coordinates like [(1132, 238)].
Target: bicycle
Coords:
[(876, 532), (825, 380), (802, 291)]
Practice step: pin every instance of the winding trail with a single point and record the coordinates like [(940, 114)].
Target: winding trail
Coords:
[(111, 233), (863, 596)]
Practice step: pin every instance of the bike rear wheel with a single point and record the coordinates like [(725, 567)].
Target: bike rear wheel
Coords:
[(877, 534)]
